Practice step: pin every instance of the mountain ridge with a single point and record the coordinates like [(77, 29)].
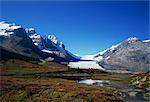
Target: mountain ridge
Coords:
[(131, 54), (18, 40)]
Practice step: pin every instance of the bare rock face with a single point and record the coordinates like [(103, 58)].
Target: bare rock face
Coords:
[(131, 55)]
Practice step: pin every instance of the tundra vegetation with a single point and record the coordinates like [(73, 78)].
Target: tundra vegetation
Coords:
[(22, 81)]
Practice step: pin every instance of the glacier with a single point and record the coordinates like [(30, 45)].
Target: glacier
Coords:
[(85, 65)]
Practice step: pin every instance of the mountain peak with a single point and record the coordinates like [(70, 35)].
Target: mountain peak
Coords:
[(132, 39), (7, 29), (8, 26), (30, 30), (52, 38)]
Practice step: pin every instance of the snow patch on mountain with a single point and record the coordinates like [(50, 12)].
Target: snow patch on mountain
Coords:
[(47, 51), (102, 52), (146, 41), (52, 38), (58, 43), (40, 42), (132, 39), (114, 47), (36, 38), (7, 29), (3, 25)]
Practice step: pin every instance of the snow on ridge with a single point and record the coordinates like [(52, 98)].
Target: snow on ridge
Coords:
[(61, 44), (7, 26), (47, 51), (7, 29), (58, 44), (4, 25), (13, 27), (52, 38), (102, 52), (132, 39), (35, 36), (30, 30), (37, 40), (146, 40), (114, 47)]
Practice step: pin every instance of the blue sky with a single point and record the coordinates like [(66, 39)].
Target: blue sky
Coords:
[(85, 27)]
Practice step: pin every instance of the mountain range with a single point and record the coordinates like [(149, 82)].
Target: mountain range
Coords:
[(131, 55), (26, 44)]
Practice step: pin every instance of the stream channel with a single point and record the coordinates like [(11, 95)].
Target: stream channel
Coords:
[(128, 93)]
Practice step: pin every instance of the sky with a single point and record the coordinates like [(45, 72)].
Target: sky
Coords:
[(85, 27)]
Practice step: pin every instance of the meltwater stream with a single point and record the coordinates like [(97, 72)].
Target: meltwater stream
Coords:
[(128, 93)]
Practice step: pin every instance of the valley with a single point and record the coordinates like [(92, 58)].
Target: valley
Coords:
[(36, 68)]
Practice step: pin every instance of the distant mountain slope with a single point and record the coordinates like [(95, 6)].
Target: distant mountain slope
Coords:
[(132, 54)]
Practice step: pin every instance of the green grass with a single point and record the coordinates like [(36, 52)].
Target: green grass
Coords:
[(15, 69)]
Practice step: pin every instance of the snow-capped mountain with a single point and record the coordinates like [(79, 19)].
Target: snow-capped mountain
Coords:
[(36, 38), (132, 54), (51, 45), (57, 47), (13, 38), (27, 42), (15, 41)]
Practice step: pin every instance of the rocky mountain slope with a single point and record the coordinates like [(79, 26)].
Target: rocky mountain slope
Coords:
[(13, 38), (51, 45), (27, 42), (132, 54)]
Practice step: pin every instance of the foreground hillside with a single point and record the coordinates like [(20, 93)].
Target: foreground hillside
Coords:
[(24, 83), (28, 82)]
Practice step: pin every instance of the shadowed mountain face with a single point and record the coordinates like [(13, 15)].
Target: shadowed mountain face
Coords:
[(132, 55), (51, 45), (26, 42), (20, 43)]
